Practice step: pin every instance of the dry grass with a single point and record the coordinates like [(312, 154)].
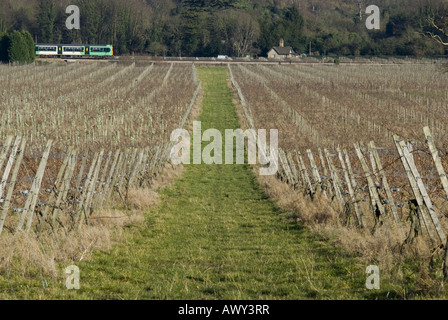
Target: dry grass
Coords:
[(414, 269), (384, 246), (25, 255), (142, 198), (411, 269)]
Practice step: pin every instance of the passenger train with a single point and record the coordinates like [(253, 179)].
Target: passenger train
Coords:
[(73, 50)]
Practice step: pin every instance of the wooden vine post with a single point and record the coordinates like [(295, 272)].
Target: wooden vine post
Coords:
[(335, 180), (107, 185), (55, 189), (420, 192), (354, 187), (30, 204), (375, 201), (315, 172), (379, 165), (436, 158), (83, 191), (305, 176), (353, 196), (15, 172), (65, 186), (325, 171), (444, 180), (292, 167), (285, 166)]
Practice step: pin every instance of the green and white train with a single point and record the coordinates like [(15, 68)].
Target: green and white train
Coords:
[(73, 50)]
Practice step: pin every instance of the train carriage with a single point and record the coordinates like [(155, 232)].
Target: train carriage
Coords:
[(47, 50), (74, 50), (100, 50)]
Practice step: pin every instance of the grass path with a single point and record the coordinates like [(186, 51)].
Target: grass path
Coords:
[(215, 235)]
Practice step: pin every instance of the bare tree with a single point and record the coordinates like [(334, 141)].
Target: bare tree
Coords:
[(245, 32), (440, 31), (360, 8), (437, 24)]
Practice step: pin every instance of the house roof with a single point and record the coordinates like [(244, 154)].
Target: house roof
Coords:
[(283, 50)]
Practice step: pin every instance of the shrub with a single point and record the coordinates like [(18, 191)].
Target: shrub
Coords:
[(30, 47), (4, 45), (18, 46)]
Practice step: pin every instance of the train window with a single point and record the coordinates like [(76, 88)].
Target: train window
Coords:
[(98, 49), (74, 49), (46, 48)]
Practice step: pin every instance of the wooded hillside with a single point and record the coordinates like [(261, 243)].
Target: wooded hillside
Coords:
[(235, 27)]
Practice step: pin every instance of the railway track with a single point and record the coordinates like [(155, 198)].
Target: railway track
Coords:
[(210, 61)]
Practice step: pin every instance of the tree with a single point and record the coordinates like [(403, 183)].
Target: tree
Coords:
[(440, 30), (4, 45), (191, 32), (433, 22), (18, 46), (47, 20), (29, 53), (218, 35), (293, 24), (287, 24), (244, 34), (235, 27)]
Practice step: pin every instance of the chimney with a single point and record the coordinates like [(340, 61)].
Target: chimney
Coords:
[(282, 43)]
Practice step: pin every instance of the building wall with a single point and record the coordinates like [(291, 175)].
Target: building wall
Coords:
[(272, 54)]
